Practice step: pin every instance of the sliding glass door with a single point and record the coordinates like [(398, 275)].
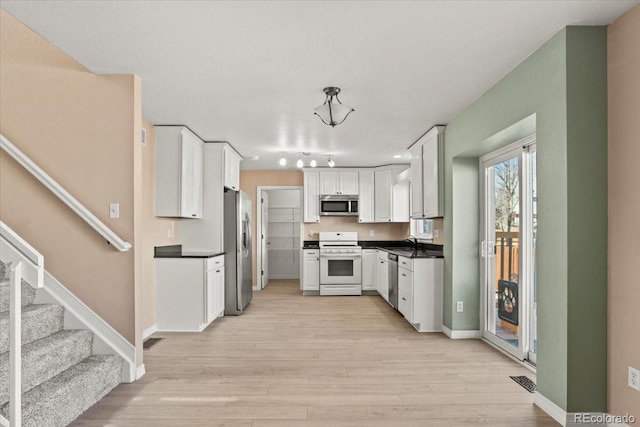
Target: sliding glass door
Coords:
[(508, 248)]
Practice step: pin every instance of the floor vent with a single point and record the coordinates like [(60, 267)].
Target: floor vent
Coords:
[(525, 382), (150, 342)]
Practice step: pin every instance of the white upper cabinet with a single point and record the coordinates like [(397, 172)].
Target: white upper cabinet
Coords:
[(366, 196), (349, 183), (339, 183), (311, 197), (179, 172), (383, 198), (427, 170), (231, 168), (416, 180), (400, 205)]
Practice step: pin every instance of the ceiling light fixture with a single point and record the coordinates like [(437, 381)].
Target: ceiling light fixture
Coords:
[(332, 112), (299, 163), (330, 162), (283, 160)]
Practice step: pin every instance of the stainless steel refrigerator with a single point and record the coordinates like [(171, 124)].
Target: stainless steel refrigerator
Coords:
[(237, 249)]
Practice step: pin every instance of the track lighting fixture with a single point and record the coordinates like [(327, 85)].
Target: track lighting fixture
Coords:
[(283, 160)]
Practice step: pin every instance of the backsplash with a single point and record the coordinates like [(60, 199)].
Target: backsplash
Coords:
[(381, 231)]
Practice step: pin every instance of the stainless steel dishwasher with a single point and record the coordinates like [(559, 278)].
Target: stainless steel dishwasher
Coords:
[(393, 280)]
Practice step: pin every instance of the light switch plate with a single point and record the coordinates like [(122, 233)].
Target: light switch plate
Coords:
[(114, 210), (634, 378)]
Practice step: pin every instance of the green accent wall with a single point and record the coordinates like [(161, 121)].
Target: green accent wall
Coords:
[(587, 220), (559, 92)]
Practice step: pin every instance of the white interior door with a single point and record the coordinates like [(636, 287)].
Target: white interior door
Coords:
[(264, 206)]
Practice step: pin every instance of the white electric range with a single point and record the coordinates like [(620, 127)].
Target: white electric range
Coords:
[(340, 263)]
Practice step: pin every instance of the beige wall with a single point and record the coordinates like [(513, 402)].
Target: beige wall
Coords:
[(624, 205), (249, 182), (156, 231), (80, 128), (382, 231)]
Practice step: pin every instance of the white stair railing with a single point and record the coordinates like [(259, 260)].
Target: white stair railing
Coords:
[(23, 261), (64, 195)]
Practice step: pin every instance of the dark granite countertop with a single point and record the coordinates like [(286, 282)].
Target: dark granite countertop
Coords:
[(397, 247), (175, 251), (311, 244), (413, 253)]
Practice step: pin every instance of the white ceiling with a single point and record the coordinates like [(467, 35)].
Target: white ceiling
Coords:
[(251, 73)]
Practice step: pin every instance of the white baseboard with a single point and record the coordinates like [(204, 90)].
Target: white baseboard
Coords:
[(553, 410), (149, 331), (79, 316), (140, 371), (461, 335)]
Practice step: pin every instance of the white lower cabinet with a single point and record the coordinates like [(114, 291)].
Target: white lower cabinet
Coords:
[(189, 293), (310, 270), (369, 258), (420, 292), (382, 274)]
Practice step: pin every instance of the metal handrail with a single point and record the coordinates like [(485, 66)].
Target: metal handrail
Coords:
[(64, 195)]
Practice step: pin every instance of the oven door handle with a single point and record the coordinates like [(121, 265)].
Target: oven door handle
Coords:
[(345, 256)]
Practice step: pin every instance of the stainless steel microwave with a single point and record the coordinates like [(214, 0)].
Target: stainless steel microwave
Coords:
[(339, 205)]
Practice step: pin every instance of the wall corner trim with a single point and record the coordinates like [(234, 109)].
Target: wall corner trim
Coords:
[(461, 335), (140, 371), (553, 410)]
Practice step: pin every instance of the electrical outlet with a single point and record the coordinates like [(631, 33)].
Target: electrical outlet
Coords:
[(460, 307), (634, 378), (310, 233), (436, 233), (372, 232)]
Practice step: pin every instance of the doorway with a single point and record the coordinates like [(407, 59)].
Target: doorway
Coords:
[(508, 248), (279, 232)]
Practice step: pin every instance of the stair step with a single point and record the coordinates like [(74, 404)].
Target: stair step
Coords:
[(60, 400), (45, 358), (28, 294), (38, 321)]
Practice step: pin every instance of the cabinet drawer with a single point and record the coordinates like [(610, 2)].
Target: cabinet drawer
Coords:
[(405, 281), (405, 306), (405, 263), (215, 262), (311, 253)]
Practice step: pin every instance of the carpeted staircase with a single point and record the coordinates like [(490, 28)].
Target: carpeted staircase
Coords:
[(60, 377)]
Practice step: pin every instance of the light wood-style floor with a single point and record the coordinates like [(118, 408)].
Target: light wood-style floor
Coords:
[(319, 361)]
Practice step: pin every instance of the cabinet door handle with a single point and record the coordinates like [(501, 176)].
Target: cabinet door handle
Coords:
[(403, 299), (404, 275), (217, 271), (193, 214)]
